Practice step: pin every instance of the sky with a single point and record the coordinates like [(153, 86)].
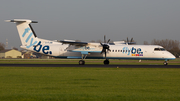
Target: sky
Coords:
[(87, 20)]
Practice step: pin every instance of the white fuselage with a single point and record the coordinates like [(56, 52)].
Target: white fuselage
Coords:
[(60, 50)]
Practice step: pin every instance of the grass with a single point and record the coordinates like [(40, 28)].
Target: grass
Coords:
[(89, 84), (88, 61)]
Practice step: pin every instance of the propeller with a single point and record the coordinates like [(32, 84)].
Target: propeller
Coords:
[(130, 42), (105, 46)]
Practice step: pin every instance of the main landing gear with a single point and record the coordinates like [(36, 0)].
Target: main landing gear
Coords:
[(82, 62), (106, 62)]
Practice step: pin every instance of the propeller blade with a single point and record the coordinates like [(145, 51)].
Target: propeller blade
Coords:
[(108, 41), (104, 38), (103, 50), (127, 40), (131, 40)]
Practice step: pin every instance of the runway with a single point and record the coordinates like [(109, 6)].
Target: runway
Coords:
[(89, 65)]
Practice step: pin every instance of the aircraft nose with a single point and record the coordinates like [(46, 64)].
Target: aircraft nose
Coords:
[(172, 56)]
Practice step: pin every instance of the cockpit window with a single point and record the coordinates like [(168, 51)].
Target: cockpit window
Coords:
[(162, 49), (159, 49), (156, 49)]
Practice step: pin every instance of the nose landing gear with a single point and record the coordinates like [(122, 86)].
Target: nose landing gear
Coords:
[(165, 63)]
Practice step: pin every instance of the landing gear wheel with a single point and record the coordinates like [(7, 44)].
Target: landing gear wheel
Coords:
[(81, 62), (106, 62), (165, 63)]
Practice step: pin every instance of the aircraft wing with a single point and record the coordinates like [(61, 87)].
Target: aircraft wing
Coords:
[(83, 47), (74, 43)]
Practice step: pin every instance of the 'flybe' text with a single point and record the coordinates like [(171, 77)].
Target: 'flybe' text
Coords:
[(38, 47), (45, 49), (133, 51), (28, 38)]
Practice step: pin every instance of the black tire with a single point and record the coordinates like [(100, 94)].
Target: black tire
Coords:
[(165, 63), (106, 62), (81, 62)]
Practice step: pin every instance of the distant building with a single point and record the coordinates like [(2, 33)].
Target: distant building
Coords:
[(26, 54), (30, 55), (10, 53)]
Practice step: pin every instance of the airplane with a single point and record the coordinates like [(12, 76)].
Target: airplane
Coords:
[(86, 50)]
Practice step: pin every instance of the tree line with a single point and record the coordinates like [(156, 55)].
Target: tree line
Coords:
[(2, 46)]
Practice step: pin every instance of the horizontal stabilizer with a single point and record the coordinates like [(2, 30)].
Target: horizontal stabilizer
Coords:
[(21, 20)]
